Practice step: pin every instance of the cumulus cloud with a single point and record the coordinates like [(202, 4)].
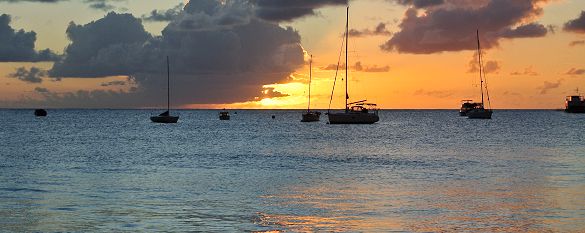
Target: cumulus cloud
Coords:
[(32, 75), (219, 53), (380, 30), (164, 15), (451, 26), (576, 25), (575, 71), (287, 10), (19, 46)]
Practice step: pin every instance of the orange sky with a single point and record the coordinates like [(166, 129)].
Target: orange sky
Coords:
[(431, 81)]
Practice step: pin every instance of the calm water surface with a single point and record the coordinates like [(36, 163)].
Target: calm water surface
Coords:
[(415, 171)]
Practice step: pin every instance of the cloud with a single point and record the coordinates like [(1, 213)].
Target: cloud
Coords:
[(113, 83), (489, 67), (358, 66), (164, 15), (19, 46), (41, 90), (287, 10), (269, 92), (527, 71), (436, 94), (547, 86), (380, 30), (451, 26), (577, 43), (33, 75), (421, 3), (219, 53), (103, 5), (576, 25), (575, 71)]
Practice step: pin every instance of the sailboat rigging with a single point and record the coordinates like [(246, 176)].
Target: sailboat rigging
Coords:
[(358, 112), (166, 117), (310, 116), (479, 111)]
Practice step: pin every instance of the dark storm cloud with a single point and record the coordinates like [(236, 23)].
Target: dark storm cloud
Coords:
[(19, 46), (451, 26), (576, 25), (287, 10), (421, 3), (219, 53), (380, 30), (164, 15), (32, 75)]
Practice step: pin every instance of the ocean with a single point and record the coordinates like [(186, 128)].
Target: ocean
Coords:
[(414, 171)]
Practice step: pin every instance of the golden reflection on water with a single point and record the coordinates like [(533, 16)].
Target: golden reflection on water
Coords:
[(462, 206)]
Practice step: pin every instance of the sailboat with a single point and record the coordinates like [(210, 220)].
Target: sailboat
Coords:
[(359, 112), (479, 111), (166, 117), (310, 116)]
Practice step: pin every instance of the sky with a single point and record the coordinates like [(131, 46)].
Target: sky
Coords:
[(403, 54)]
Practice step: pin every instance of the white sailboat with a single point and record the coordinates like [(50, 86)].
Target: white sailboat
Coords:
[(359, 112), (310, 116), (166, 117), (479, 111)]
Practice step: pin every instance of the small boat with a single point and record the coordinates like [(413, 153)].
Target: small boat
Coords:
[(466, 106), (358, 112), (224, 116), (40, 112), (575, 103), (165, 117), (479, 111), (310, 116)]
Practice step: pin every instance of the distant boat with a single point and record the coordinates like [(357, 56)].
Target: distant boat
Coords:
[(310, 116), (40, 112), (466, 106), (479, 111), (166, 117), (359, 112), (224, 116), (575, 103)]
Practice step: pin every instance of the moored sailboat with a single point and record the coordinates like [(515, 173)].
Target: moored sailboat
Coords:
[(359, 112), (310, 116), (166, 117), (479, 110)]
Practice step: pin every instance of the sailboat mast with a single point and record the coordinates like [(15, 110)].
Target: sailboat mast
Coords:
[(480, 68), (310, 80), (346, 47), (168, 86)]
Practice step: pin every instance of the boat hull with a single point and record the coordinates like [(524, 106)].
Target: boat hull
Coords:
[(575, 109), (165, 119), (311, 117), (479, 114), (353, 118), (224, 118), (461, 113), (40, 113)]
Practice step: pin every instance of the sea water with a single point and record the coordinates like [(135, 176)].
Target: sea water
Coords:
[(414, 171)]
